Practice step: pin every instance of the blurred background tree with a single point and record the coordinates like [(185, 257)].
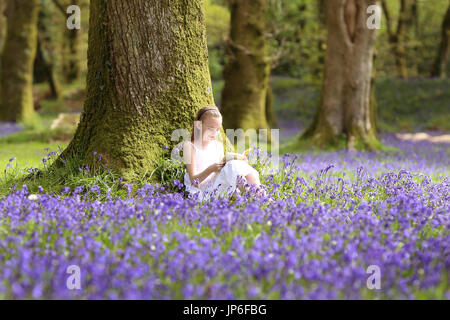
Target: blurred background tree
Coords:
[(345, 105), (409, 81), (17, 61), (2, 27), (247, 68), (441, 62)]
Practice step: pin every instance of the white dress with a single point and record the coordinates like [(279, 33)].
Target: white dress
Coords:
[(217, 184)]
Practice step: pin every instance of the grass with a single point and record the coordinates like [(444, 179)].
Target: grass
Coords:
[(402, 105), (26, 154), (413, 105), (316, 189)]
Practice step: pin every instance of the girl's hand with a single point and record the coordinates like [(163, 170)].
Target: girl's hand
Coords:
[(245, 158), (216, 167)]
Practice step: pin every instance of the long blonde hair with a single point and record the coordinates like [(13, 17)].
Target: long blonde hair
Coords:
[(200, 116)]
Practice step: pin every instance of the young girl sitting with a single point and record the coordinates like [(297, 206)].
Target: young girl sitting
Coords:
[(208, 175)]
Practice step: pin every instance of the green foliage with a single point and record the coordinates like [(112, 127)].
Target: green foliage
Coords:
[(41, 135), (422, 39), (169, 173), (217, 22), (216, 63), (32, 122), (413, 105), (295, 98), (217, 29), (64, 178), (296, 36), (73, 173)]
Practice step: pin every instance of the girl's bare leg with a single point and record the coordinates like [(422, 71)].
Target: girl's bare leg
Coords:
[(252, 179)]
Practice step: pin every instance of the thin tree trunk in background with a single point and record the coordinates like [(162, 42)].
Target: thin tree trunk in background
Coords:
[(397, 39), (270, 112), (17, 60), (2, 24), (373, 106), (440, 64), (415, 17), (345, 106), (44, 69), (322, 11), (247, 72), (2, 29), (71, 68), (147, 76), (72, 38), (47, 70)]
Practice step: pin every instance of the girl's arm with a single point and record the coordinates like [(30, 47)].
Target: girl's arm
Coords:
[(189, 160)]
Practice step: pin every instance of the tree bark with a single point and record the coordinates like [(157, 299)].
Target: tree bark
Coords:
[(247, 72), (147, 76), (440, 64), (345, 106), (17, 60)]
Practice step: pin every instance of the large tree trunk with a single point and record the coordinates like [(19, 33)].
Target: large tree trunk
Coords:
[(345, 107), (440, 64), (247, 71), (17, 60), (147, 76)]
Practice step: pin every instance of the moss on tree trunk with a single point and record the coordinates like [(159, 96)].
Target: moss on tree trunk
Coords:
[(347, 101), (247, 70), (147, 76), (17, 60)]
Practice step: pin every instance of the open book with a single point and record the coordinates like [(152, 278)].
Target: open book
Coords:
[(235, 156)]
